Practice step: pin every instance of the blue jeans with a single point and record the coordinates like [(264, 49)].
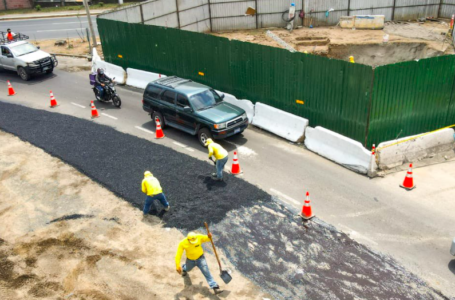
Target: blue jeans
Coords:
[(149, 202), (201, 263), (220, 166), (101, 91)]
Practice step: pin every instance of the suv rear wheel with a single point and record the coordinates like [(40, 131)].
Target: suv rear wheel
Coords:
[(203, 135), (157, 115), (23, 74)]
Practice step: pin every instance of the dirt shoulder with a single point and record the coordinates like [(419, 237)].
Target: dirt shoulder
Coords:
[(64, 236)]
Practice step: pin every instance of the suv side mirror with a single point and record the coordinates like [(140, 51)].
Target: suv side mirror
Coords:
[(38, 47), (222, 96), (187, 109)]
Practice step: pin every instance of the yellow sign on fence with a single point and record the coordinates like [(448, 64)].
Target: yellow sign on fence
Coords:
[(300, 102)]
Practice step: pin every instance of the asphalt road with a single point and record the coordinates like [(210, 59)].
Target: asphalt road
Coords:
[(53, 28), (416, 227)]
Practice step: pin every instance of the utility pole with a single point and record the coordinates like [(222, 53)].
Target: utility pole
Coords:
[(90, 25)]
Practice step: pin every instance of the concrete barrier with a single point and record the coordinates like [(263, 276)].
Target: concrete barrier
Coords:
[(246, 105), (139, 78), (439, 145), (281, 123), (340, 149), (111, 70)]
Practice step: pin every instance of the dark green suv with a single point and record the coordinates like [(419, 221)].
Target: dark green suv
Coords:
[(193, 108)]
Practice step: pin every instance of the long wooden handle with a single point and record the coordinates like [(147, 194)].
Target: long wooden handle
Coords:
[(213, 245)]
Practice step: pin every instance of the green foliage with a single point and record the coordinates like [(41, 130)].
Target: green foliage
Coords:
[(38, 7), (101, 4)]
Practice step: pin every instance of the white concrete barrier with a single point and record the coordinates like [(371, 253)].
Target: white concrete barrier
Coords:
[(340, 149), (440, 143), (281, 123), (111, 70), (246, 105), (139, 78)]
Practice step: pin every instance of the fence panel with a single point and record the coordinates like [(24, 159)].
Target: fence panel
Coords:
[(412, 97), (336, 93)]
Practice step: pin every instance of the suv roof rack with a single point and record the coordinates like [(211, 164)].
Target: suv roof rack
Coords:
[(172, 81), (16, 37)]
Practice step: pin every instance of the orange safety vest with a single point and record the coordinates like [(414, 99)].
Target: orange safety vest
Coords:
[(9, 36)]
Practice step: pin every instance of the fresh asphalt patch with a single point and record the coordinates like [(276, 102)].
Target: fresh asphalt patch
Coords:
[(263, 240)]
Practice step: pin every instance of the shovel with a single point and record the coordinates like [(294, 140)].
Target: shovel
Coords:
[(224, 274)]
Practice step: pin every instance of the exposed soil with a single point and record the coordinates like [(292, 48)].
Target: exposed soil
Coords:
[(265, 242), (407, 41), (63, 236), (73, 46)]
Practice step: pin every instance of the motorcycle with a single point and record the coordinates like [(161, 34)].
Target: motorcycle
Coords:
[(110, 93)]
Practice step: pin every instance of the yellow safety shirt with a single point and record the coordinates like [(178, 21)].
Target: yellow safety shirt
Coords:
[(193, 251), (216, 150), (151, 186)]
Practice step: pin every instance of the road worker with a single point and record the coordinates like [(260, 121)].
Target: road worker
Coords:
[(152, 188), (221, 158), (9, 35), (192, 244)]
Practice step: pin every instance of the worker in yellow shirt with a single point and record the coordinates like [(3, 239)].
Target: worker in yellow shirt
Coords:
[(152, 188), (221, 158), (192, 244)]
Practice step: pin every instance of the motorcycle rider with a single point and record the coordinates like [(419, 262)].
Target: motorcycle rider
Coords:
[(101, 80)]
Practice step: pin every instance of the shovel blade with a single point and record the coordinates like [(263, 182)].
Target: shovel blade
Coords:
[(225, 276)]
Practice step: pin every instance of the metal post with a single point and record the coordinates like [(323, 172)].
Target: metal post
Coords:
[(349, 8), (257, 21), (142, 13), (178, 12), (441, 2), (90, 24), (88, 40), (303, 9), (210, 15), (6, 6), (393, 9)]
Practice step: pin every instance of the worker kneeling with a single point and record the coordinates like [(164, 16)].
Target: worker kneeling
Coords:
[(192, 244), (152, 188), (221, 156)]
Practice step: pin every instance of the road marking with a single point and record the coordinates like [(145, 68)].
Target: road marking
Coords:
[(109, 116), (355, 235), (180, 145), (143, 129), (81, 106), (278, 193), (60, 29), (69, 23), (189, 149)]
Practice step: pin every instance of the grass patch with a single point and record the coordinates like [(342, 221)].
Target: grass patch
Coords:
[(76, 8)]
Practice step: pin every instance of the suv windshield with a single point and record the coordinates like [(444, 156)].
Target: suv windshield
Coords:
[(23, 49), (204, 100)]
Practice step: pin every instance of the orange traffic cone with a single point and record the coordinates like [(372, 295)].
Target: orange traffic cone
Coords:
[(159, 134), (306, 209), (408, 182), (94, 111), (53, 101), (11, 91), (235, 165)]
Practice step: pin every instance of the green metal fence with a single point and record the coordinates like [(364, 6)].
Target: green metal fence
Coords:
[(354, 100)]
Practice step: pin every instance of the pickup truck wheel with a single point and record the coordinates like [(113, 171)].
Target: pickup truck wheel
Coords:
[(203, 135), (50, 71), (23, 74), (157, 115)]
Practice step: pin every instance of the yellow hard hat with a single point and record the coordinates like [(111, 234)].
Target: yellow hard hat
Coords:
[(192, 237), (209, 141)]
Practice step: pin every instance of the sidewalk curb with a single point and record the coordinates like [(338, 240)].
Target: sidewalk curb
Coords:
[(48, 16)]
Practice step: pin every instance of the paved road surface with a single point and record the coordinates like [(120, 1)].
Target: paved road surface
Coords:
[(414, 227), (54, 28)]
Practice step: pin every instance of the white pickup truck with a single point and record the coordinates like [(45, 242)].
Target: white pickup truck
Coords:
[(26, 59)]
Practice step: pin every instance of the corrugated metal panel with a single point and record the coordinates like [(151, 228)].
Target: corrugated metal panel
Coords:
[(230, 9), (448, 1), (416, 2), (320, 19), (273, 20), (387, 12), (413, 13), (203, 26), (194, 15), (447, 11), (324, 5), (166, 21), (364, 4), (158, 8), (275, 6), (411, 98), (186, 4), (232, 23)]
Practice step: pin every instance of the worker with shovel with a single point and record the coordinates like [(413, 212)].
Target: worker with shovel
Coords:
[(221, 158), (192, 244)]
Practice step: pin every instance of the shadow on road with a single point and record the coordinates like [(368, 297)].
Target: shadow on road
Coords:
[(37, 79), (452, 266)]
